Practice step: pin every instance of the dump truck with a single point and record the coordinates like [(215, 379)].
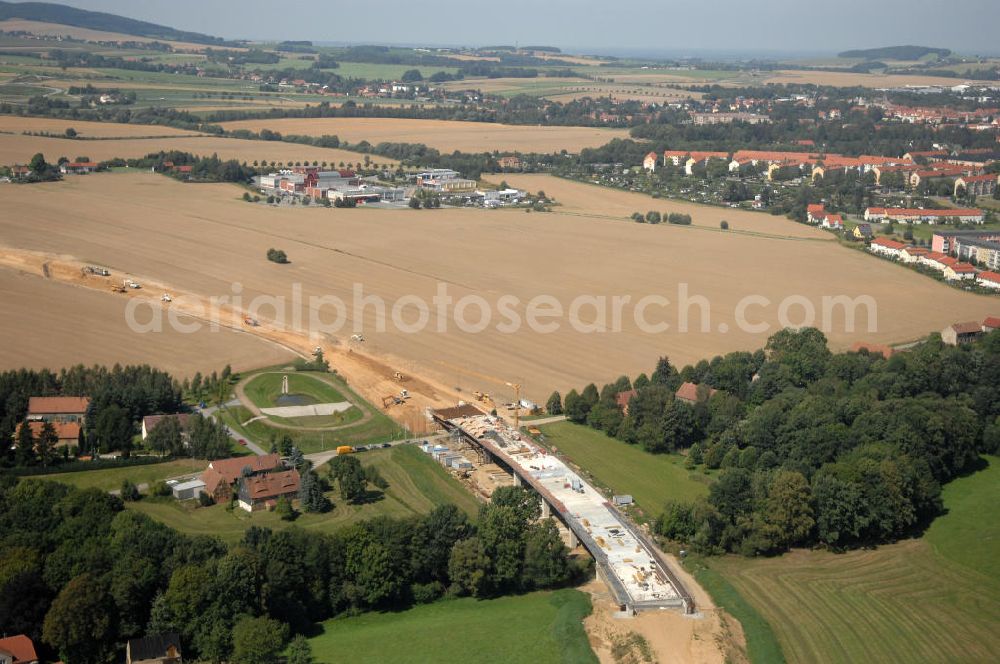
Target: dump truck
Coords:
[(99, 271), (345, 449), (128, 283), (252, 322)]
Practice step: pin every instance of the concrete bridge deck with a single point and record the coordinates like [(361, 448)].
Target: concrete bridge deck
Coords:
[(632, 566)]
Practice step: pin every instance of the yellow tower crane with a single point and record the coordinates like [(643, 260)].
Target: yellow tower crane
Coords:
[(493, 379)]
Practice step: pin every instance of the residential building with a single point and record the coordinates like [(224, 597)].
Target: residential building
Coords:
[(649, 163), (919, 216), (862, 232), (58, 409), (913, 254), (155, 649), (259, 492), (222, 474), (959, 272), (150, 422), (815, 213), (78, 167), (885, 247), (961, 333), (692, 393), (509, 163), (988, 280), (17, 649), (623, 399), (977, 185), (68, 432), (729, 118), (990, 324), (833, 222)]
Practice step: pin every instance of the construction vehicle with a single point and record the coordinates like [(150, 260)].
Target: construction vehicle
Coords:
[(358, 338), (252, 322), (395, 399), (98, 271), (345, 449), (119, 289), (166, 298), (398, 376), (128, 283), (493, 379)]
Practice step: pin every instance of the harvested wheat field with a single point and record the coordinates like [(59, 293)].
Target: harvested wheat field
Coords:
[(48, 324), (18, 149), (445, 135), (851, 79), (592, 200), (17, 124), (200, 240)]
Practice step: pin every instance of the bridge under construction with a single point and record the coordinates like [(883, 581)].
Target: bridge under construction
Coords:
[(631, 565)]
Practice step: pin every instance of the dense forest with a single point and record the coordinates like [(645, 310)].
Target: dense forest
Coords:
[(812, 447), (80, 574)]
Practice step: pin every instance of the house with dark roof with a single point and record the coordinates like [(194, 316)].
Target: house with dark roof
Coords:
[(149, 422), (259, 492), (17, 649), (155, 649)]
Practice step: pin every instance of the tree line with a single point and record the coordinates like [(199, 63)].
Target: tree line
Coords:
[(813, 448), (80, 574), (119, 398)]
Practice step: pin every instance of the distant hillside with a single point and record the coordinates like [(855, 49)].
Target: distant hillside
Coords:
[(81, 18), (895, 53)]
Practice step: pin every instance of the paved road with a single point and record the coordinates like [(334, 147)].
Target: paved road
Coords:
[(543, 421), (210, 412)]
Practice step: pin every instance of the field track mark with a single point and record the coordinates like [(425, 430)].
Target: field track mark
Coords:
[(731, 231)]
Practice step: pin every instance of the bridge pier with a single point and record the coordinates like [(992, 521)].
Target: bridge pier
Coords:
[(546, 510), (517, 479)]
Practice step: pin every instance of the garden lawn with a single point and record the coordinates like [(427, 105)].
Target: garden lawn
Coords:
[(537, 628), (417, 484), (109, 479)]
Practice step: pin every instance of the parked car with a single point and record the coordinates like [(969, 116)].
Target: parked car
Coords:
[(242, 442)]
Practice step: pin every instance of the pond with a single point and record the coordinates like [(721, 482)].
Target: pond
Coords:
[(293, 400)]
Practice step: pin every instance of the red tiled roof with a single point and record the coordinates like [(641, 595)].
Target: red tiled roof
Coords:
[(887, 243), (992, 322), (231, 469), (21, 647), (261, 487), (689, 392), (59, 405), (886, 351), (819, 208), (962, 268), (967, 328), (990, 276), (622, 398), (65, 430)]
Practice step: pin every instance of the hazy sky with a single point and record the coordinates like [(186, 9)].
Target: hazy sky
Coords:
[(968, 26)]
